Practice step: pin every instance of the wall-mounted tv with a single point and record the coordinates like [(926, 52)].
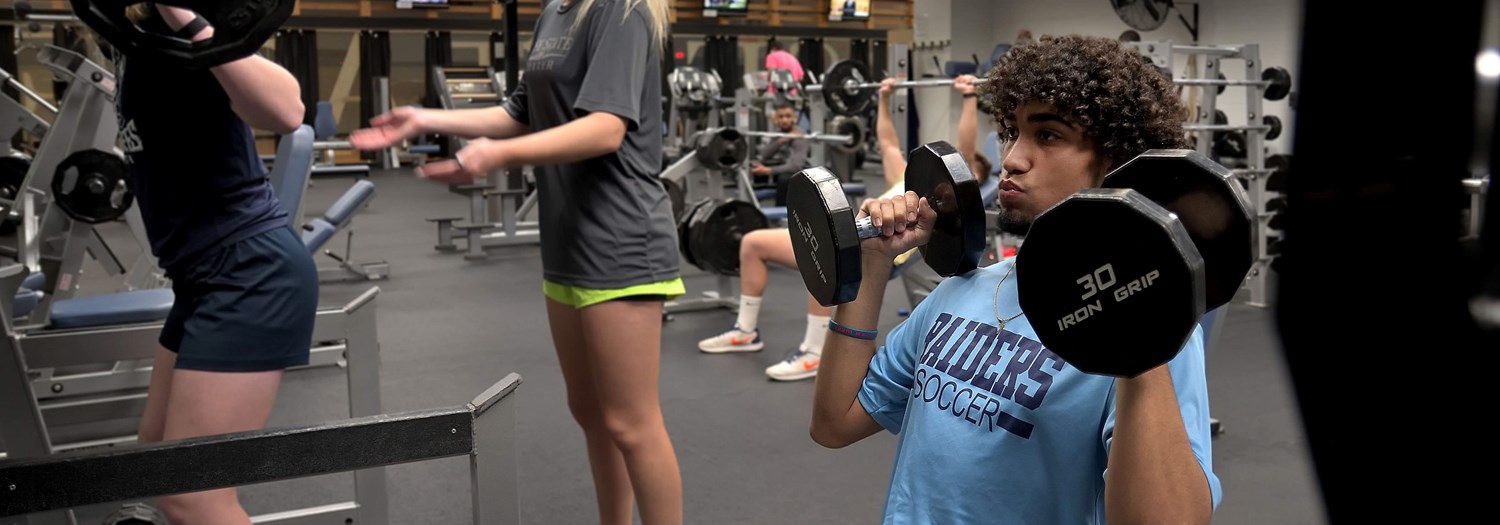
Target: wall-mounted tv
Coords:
[(725, 7), (844, 10), (419, 4)]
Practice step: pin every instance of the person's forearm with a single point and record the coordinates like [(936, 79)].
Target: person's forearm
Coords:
[(585, 138), (885, 131), (846, 360), (492, 122), (968, 127), (1153, 476)]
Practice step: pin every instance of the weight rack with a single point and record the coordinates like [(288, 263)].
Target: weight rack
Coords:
[(1254, 174)]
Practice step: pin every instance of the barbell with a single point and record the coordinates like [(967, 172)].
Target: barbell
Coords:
[(240, 28), (1166, 238), (848, 136), (844, 85), (1276, 81)]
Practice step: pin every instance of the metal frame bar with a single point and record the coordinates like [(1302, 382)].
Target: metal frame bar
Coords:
[(483, 429)]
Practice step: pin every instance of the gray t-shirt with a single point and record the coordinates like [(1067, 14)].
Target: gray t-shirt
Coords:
[(606, 222)]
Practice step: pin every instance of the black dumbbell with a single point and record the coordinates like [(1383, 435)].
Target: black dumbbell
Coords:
[(825, 235), (1115, 279)]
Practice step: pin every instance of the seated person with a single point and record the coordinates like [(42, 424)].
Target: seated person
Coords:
[(976, 400), (775, 245), (779, 159)]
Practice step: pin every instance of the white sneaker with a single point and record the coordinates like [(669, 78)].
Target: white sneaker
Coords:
[(732, 341), (799, 364)]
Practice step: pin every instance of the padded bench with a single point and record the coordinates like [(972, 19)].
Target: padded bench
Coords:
[(133, 307), (317, 231)]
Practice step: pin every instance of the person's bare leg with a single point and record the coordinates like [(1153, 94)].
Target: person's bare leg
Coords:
[(154, 419), (623, 341), (611, 481), (813, 308), (758, 247), (210, 403)]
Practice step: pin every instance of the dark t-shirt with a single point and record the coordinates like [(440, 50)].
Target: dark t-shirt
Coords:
[(605, 222), (192, 162)]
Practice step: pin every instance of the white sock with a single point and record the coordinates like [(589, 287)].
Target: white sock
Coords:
[(817, 332), (749, 313)]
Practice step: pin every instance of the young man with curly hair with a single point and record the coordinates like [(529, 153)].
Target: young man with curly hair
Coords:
[(994, 427)]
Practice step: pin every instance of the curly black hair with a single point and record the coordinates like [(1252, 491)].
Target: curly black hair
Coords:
[(1125, 105)]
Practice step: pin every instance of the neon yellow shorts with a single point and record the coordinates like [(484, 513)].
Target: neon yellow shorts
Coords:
[(583, 297)]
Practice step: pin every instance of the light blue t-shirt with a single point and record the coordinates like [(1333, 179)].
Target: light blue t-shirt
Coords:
[(994, 428)]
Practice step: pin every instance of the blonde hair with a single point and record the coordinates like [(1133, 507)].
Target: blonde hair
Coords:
[(661, 16)]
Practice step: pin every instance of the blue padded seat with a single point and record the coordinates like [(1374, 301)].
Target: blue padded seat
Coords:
[(775, 213), (34, 281), (138, 306), (323, 122), (989, 192), (856, 189), (428, 149), (352, 199), (316, 233), (25, 301), (765, 193), (289, 174)]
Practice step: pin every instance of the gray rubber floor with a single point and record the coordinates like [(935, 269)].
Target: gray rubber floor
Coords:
[(450, 327)]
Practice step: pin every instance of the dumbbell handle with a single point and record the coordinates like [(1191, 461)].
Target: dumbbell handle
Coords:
[(866, 228)]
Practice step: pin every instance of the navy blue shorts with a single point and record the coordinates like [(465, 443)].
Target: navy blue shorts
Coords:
[(250, 307)]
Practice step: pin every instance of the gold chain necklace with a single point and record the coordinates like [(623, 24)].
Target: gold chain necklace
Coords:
[(997, 298)]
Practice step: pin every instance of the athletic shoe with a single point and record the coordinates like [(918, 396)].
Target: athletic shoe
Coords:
[(799, 364), (732, 341)]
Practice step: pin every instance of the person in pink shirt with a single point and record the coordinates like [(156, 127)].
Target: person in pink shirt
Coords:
[(779, 58)]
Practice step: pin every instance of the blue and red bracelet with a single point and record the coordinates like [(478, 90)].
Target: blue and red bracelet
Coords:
[(868, 335)]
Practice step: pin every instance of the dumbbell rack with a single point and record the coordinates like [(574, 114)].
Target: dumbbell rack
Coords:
[(1254, 174)]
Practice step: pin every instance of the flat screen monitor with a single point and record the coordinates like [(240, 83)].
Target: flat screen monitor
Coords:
[(725, 7), (843, 10)]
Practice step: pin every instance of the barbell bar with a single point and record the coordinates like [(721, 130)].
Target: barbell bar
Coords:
[(815, 137), (852, 86)]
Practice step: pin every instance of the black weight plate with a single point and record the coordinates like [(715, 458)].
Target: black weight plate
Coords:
[(1211, 205), (841, 99), (716, 234), (1275, 123), (240, 29), (1117, 286), (1281, 83), (684, 224), (824, 239), (1281, 165), (677, 196), (853, 127), (722, 148), (12, 175), (940, 173), (89, 185)]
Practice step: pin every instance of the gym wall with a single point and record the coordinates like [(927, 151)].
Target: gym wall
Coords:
[(970, 27)]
